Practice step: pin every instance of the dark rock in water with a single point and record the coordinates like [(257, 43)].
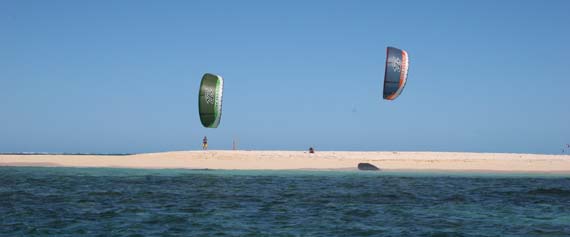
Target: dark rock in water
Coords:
[(367, 166)]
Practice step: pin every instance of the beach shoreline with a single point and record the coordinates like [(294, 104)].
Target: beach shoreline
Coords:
[(301, 160)]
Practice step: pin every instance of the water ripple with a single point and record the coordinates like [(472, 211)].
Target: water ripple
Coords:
[(120, 202)]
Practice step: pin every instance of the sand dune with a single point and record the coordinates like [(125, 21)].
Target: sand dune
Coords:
[(286, 160)]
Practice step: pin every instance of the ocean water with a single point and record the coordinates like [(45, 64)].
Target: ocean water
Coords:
[(131, 202)]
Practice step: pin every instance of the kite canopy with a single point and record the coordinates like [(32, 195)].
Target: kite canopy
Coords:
[(396, 72), (210, 100)]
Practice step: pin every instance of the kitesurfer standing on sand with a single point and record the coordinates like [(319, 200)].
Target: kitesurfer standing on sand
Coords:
[(205, 143)]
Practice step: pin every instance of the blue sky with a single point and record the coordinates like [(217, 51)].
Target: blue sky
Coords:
[(123, 76)]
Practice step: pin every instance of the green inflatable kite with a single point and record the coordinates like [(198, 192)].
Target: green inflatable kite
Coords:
[(210, 100)]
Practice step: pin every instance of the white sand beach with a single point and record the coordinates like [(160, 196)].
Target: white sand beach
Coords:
[(295, 160)]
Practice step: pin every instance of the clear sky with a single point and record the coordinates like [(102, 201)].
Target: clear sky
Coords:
[(123, 76)]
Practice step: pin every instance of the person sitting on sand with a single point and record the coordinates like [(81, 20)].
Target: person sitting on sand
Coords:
[(311, 150), (205, 143)]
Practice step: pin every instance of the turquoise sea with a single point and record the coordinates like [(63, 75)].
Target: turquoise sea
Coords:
[(133, 202)]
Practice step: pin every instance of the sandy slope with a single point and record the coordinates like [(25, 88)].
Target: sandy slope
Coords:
[(282, 160)]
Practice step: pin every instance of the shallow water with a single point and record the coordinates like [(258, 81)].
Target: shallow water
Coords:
[(73, 201)]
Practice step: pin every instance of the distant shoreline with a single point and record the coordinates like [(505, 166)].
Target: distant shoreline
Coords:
[(302, 160), (64, 154)]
